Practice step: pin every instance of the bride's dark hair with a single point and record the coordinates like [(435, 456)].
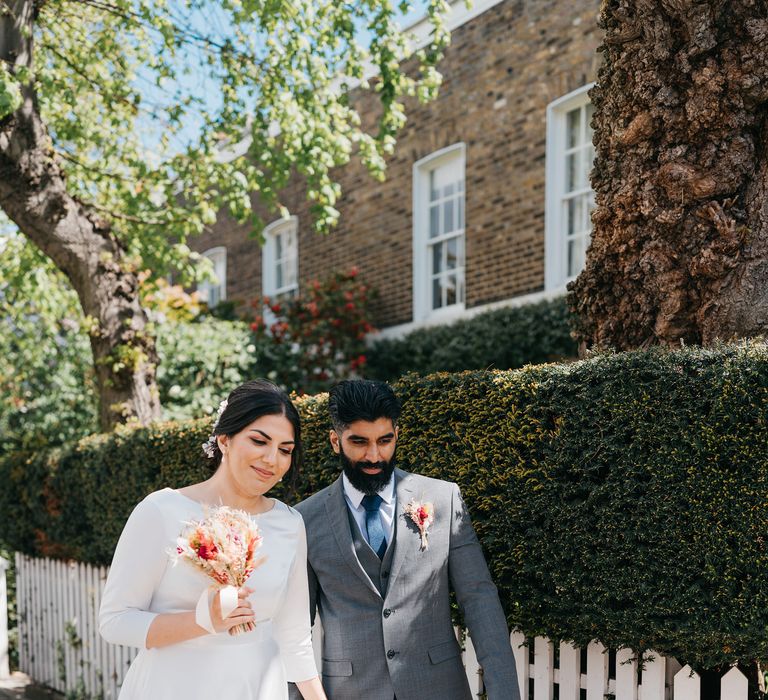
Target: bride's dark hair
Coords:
[(251, 401)]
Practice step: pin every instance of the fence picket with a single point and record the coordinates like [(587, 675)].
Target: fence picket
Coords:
[(734, 684), (20, 609), (569, 673), (472, 667), (687, 684), (520, 651), (653, 679), (597, 671), (543, 669), (626, 675)]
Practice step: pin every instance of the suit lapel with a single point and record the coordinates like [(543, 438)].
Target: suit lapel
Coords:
[(404, 538), (336, 507)]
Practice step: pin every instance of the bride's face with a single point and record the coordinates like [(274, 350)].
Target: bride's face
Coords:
[(258, 456)]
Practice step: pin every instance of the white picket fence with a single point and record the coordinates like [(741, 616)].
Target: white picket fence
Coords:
[(59, 646)]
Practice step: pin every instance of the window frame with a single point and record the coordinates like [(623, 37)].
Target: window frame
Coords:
[(269, 259), (422, 266), (555, 237)]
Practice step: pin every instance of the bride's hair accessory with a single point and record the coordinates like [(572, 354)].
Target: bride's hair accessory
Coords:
[(209, 446)]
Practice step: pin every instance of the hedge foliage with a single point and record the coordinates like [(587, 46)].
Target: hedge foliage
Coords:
[(505, 338), (619, 498)]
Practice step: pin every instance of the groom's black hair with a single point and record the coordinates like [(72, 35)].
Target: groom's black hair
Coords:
[(361, 399)]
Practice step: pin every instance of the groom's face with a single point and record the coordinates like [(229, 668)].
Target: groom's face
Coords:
[(367, 451)]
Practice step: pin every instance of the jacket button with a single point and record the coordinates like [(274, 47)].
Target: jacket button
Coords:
[(384, 574), (391, 654), (387, 612)]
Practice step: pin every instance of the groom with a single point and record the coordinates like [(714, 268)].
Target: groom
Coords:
[(382, 582)]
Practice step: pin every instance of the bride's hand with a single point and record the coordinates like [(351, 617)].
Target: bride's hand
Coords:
[(241, 615)]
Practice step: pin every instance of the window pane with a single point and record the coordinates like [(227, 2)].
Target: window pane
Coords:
[(433, 193), (575, 215), (448, 189), (575, 255), (590, 109), (289, 271), (571, 171), (573, 128), (437, 258), (460, 205), (279, 245), (279, 275), (450, 289), (452, 246), (434, 221), (587, 156), (448, 224), (437, 293)]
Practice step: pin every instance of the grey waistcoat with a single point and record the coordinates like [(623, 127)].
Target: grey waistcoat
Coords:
[(377, 569)]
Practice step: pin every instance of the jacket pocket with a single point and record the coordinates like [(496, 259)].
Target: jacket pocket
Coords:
[(337, 668), (443, 652)]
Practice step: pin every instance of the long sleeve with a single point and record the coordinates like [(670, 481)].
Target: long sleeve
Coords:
[(137, 567), (479, 601), (291, 625)]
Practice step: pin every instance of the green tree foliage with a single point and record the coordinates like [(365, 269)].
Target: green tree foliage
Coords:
[(126, 126), (122, 84), (47, 393)]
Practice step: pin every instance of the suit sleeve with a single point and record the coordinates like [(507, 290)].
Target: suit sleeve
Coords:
[(479, 602)]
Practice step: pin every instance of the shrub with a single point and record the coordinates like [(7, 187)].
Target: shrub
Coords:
[(200, 362), (317, 337), (502, 339), (620, 498)]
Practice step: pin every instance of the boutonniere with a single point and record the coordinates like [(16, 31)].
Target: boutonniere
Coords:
[(422, 515)]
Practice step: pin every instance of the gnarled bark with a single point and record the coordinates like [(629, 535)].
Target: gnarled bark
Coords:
[(81, 244), (679, 246)]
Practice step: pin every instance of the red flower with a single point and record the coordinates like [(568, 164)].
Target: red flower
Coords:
[(358, 361), (276, 308), (349, 306), (206, 550), (354, 271)]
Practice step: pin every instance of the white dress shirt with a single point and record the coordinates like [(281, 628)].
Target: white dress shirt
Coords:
[(354, 499)]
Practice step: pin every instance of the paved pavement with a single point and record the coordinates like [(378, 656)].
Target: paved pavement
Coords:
[(20, 687)]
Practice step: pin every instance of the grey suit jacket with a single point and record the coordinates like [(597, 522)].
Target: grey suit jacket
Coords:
[(402, 644)]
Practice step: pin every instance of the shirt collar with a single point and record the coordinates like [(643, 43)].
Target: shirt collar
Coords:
[(355, 496)]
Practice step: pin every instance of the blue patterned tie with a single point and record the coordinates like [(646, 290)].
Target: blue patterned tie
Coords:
[(373, 525)]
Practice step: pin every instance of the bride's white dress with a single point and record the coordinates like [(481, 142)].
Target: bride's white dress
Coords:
[(144, 581)]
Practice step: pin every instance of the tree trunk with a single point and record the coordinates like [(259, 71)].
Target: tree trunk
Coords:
[(81, 244), (679, 246)]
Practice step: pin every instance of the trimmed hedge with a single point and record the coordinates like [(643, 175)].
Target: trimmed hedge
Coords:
[(619, 498), (505, 338)]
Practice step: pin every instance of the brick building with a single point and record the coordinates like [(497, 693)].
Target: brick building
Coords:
[(487, 196)]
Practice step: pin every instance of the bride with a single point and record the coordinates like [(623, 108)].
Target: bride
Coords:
[(149, 602)]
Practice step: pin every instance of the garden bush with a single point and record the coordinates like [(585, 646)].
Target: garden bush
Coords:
[(619, 498), (506, 338)]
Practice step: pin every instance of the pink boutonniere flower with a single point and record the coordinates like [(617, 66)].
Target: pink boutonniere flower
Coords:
[(422, 515)]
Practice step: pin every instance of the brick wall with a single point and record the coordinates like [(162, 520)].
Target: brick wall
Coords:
[(502, 70)]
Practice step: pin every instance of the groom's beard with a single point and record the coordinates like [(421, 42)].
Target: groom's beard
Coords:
[(369, 484)]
